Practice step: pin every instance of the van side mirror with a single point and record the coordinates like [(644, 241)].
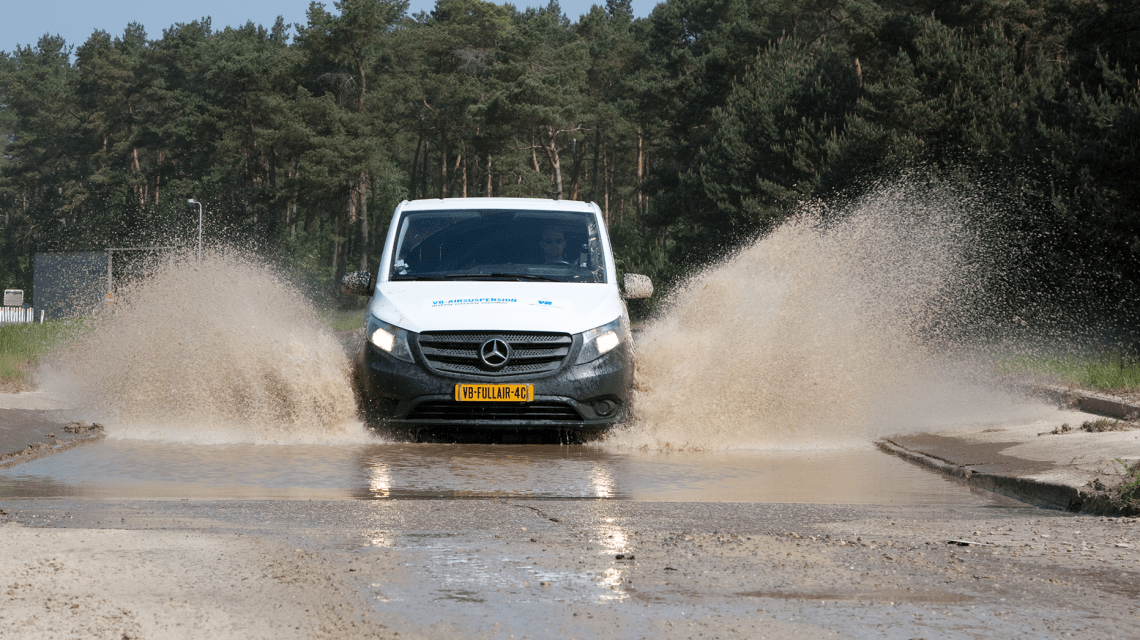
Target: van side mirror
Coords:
[(357, 283), (637, 286)]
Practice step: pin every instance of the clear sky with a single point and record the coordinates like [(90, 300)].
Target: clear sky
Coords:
[(23, 23)]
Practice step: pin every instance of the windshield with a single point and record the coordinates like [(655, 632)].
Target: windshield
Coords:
[(498, 244)]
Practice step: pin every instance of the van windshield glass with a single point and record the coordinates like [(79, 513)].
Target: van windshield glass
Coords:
[(498, 244)]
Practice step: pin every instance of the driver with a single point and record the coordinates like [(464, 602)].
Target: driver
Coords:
[(553, 242)]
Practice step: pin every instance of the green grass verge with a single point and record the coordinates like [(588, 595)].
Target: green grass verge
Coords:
[(22, 346), (1103, 372), (1129, 491), (342, 319)]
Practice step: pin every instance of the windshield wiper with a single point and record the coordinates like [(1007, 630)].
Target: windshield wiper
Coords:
[(439, 276), (522, 276), (476, 276)]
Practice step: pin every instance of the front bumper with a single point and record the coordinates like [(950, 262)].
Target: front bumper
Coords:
[(409, 395)]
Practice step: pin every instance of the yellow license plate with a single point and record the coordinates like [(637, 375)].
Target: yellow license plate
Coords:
[(494, 392)]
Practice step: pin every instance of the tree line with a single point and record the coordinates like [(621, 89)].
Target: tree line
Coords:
[(696, 129)]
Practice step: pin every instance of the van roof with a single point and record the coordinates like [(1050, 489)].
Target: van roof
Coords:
[(542, 204)]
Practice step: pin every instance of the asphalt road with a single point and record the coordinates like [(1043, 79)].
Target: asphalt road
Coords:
[(131, 539), (595, 568)]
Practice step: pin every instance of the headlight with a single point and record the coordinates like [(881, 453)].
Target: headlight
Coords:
[(390, 338), (600, 341)]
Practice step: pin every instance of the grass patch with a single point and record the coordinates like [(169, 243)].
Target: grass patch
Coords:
[(342, 319), (1100, 372), (1100, 425), (1129, 491), (22, 346)]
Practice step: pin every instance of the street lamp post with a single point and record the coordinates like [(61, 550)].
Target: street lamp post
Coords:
[(193, 201)]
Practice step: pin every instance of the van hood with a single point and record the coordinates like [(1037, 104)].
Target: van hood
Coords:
[(496, 306)]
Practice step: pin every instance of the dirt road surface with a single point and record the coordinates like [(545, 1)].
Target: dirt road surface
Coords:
[(477, 557), (545, 569), (116, 583)]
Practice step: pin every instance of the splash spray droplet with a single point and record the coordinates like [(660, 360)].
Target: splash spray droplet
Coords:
[(843, 324), (217, 352)]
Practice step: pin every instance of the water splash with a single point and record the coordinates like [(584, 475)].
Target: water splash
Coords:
[(843, 324), (223, 351)]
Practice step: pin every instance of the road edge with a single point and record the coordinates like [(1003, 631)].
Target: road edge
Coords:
[(1087, 401), (37, 450), (1038, 493)]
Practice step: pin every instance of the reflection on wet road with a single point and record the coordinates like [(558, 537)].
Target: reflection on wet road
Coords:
[(595, 542), (133, 469)]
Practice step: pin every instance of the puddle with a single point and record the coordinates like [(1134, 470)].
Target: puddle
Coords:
[(149, 470), (876, 595)]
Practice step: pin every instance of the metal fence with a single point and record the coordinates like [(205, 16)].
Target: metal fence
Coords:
[(21, 315)]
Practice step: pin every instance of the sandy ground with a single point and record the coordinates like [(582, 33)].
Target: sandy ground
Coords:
[(574, 569), (33, 400), (119, 584), (578, 569), (1037, 450)]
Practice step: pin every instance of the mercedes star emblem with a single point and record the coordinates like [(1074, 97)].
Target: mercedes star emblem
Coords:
[(494, 353)]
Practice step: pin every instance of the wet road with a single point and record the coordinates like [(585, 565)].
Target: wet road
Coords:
[(153, 470), (529, 541)]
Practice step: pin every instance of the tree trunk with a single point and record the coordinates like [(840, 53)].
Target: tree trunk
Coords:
[(475, 175), (594, 177), (424, 173), (140, 190), (339, 258), (443, 176), (489, 193), (460, 168), (291, 210), (360, 69), (640, 176), (576, 172), (415, 166), (550, 145), (607, 183), (336, 258), (362, 190)]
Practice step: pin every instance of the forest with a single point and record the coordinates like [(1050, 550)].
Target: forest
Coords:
[(696, 129)]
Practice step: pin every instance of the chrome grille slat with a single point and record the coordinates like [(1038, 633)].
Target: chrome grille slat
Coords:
[(458, 351), (539, 354)]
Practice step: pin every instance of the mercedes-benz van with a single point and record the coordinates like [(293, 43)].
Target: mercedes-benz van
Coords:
[(496, 312)]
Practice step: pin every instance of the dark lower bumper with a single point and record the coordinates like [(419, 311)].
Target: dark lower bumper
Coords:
[(409, 395)]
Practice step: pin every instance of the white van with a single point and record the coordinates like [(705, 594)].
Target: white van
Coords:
[(496, 312)]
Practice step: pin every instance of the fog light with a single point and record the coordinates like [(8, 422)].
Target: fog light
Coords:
[(603, 407)]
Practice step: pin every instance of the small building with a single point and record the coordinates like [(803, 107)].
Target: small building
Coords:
[(68, 284)]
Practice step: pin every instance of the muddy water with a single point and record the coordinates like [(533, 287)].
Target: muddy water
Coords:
[(221, 350), (215, 380), (145, 470), (846, 323)]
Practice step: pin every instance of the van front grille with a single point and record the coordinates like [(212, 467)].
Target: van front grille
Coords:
[(532, 353), (451, 411)]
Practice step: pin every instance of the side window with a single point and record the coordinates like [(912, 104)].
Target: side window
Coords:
[(596, 262)]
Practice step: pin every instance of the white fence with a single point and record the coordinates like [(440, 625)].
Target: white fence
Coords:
[(20, 315)]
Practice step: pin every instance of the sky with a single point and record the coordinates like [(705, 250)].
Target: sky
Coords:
[(23, 23)]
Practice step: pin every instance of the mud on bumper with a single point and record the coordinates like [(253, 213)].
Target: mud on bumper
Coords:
[(406, 395)]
